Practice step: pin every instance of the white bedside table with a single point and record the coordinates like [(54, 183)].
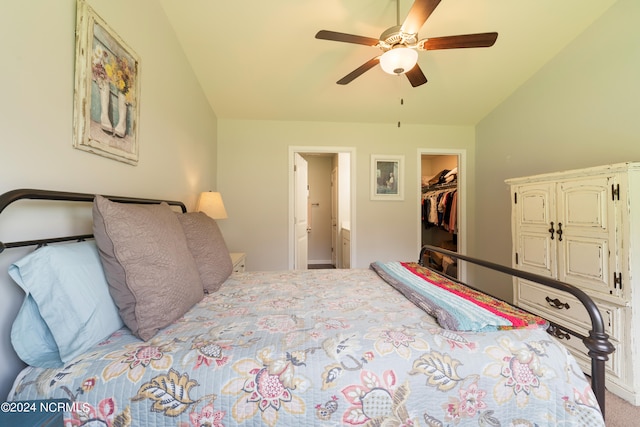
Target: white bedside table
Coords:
[(238, 259)]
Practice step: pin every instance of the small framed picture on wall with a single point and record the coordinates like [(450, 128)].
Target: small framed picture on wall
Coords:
[(387, 177)]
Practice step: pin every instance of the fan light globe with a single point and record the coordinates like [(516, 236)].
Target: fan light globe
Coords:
[(398, 60)]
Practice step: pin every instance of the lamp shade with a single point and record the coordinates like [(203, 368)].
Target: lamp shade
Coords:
[(210, 202), (398, 60)]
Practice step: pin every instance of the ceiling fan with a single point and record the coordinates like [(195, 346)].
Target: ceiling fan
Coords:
[(400, 44)]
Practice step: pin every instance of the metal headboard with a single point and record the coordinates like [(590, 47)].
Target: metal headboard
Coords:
[(14, 195)]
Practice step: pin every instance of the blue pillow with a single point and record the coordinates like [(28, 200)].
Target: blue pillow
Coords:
[(67, 308)]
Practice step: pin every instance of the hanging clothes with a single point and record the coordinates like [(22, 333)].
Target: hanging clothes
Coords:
[(453, 214), (439, 208)]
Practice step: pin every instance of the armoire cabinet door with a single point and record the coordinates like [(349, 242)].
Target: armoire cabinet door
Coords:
[(534, 244), (566, 230), (586, 245)]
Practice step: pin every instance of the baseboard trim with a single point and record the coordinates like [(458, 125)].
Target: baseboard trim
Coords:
[(321, 261)]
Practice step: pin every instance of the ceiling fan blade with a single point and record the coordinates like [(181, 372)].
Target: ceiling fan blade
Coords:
[(416, 76), (359, 71), (462, 41), (418, 14), (346, 38)]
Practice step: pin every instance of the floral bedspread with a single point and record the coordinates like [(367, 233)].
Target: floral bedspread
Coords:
[(318, 347)]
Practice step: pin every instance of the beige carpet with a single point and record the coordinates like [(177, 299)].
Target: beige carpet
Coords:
[(620, 413)]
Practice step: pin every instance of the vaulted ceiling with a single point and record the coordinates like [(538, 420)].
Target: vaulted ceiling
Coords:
[(261, 60)]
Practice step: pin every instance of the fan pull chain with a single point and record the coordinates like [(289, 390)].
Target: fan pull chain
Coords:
[(401, 103)]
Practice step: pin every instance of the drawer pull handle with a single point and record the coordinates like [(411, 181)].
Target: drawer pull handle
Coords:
[(558, 333), (556, 303), (551, 230)]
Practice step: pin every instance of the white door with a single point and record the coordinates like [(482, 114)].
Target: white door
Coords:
[(301, 209), (334, 216)]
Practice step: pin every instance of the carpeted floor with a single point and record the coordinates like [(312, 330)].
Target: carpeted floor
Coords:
[(620, 413)]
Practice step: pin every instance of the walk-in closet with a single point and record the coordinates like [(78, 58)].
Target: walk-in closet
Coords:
[(440, 209)]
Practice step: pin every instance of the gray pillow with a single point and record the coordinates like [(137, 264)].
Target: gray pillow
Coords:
[(208, 249), (151, 273)]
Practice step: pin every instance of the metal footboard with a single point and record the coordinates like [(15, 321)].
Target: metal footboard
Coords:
[(597, 342)]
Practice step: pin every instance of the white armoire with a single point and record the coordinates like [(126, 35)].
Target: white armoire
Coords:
[(582, 227)]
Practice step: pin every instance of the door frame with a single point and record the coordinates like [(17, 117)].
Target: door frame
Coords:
[(301, 212), (461, 202), (301, 149)]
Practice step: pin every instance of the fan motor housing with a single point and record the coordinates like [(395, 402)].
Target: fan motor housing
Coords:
[(394, 36)]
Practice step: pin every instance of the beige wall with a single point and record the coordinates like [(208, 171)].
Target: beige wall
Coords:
[(177, 126), (254, 180), (582, 109)]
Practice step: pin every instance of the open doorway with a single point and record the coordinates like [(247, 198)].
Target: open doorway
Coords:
[(322, 230), (321, 204), (442, 207)]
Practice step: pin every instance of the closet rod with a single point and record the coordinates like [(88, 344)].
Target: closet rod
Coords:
[(440, 187)]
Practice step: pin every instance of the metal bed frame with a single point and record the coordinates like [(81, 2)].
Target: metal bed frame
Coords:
[(597, 342), (13, 196)]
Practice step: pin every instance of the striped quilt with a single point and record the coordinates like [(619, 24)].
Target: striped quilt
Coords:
[(454, 305)]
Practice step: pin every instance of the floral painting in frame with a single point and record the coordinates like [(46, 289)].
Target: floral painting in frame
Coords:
[(107, 90), (387, 177)]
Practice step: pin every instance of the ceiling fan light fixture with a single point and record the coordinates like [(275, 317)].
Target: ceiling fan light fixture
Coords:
[(398, 60)]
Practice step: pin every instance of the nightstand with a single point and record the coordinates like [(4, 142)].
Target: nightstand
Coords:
[(239, 260)]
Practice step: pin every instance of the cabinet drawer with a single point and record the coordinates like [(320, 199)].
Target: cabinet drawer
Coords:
[(566, 310)]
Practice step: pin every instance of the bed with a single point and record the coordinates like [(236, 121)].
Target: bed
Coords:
[(316, 347)]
